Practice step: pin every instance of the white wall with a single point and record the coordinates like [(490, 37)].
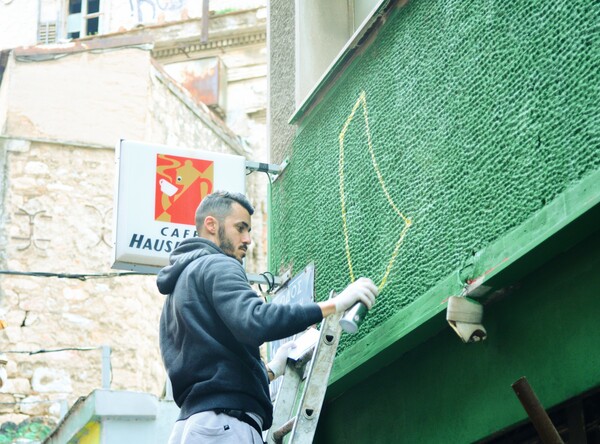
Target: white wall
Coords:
[(92, 98), (322, 29), (18, 23)]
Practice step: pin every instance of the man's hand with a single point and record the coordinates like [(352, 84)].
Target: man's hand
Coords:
[(362, 290), (277, 364)]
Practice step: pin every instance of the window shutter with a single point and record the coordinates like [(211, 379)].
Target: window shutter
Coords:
[(47, 33)]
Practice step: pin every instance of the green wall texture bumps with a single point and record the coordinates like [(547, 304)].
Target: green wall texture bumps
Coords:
[(479, 113), (31, 430), (447, 392)]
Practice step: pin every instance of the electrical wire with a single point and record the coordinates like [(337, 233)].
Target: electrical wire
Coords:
[(271, 282), (47, 401), (266, 172), (51, 350), (81, 277)]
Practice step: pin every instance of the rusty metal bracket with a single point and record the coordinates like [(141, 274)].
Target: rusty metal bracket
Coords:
[(540, 419)]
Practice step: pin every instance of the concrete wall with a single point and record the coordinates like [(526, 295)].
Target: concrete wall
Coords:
[(85, 97), (319, 22), (282, 77), (18, 23), (174, 119)]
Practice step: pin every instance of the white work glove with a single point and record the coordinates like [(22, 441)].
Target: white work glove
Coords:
[(277, 364), (361, 290)]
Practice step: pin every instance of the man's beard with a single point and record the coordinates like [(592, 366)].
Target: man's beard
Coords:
[(226, 245)]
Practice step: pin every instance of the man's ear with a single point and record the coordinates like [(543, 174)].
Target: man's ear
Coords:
[(211, 225)]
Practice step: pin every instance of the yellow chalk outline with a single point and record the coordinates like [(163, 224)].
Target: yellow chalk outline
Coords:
[(362, 100)]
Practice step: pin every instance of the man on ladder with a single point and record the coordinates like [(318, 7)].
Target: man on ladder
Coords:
[(213, 323)]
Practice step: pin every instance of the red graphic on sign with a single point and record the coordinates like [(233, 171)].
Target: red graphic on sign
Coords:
[(181, 184)]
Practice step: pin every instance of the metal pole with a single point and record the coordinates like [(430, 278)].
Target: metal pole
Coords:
[(535, 411), (106, 367), (205, 13)]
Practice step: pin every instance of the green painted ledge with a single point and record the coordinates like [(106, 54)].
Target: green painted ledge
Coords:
[(562, 223)]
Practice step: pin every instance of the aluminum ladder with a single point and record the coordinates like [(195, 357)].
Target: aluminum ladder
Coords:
[(299, 419)]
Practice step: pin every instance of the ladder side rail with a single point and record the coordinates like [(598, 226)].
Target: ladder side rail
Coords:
[(317, 380), (286, 396)]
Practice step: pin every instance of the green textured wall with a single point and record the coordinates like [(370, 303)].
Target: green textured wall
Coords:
[(446, 392), (477, 114)]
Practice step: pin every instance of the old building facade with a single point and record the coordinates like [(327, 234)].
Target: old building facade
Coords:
[(76, 77)]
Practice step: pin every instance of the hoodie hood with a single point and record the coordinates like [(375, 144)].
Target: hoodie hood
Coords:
[(188, 251)]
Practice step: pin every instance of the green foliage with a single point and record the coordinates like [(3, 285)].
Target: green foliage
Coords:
[(33, 430), (225, 11)]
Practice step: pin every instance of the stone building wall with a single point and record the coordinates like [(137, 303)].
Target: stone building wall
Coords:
[(59, 221), (62, 110), (57, 218)]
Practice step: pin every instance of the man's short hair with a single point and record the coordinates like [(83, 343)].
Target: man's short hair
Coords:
[(218, 205)]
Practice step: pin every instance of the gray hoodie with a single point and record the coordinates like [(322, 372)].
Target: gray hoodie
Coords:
[(211, 327)]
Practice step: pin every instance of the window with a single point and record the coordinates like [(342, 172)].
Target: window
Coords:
[(46, 33), (83, 18), (48, 29), (322, 30)]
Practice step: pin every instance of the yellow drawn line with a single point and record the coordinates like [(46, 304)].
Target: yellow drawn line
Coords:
[(362, 101)]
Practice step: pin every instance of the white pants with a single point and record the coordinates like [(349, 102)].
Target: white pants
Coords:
[(209, 428)]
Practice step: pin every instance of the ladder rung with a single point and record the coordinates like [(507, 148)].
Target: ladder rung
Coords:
[(314, 368), (306, 357), (283, 430)]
